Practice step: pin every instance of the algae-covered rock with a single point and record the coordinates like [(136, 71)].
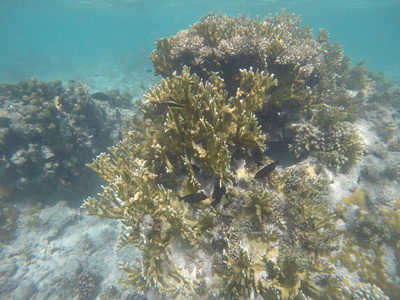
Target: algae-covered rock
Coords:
[(49, 131), (8, 221)]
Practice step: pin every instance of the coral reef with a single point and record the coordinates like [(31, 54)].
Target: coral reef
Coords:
[(196, 189), (315, 83), (368, 234), (84, 285), (264, 236), (48, 132), (337, 145)]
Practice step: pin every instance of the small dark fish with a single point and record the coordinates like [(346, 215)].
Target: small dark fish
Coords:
[(149, 70), (264, 172), (360, 63), (218, 193), (256, 154), (194, 198), (118, 116), (101, 96), (271, 114), (313, 79), (162, 107), (142, 87), (120, 136), (125, 57)]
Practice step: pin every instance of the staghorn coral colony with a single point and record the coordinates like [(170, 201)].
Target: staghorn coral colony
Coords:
[(193, 181), (314, 91)]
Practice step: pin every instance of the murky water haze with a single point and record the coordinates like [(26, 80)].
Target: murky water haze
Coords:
[(62, 39)]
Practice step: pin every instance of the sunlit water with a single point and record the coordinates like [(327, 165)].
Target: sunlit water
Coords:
[(93, 38), (106, 43)]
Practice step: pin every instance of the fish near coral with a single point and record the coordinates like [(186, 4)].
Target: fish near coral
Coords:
[(101, 96), (194, 198), (272, 114), (313, 79), (162, 107), (257, 155), (268, 169), (218, 193)]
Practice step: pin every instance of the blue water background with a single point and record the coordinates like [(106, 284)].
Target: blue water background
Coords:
[(64, 39)]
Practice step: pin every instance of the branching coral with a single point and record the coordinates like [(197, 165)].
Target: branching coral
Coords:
[(336, 146), (185, 179), (207, 124), (313, 74), (169, 159)]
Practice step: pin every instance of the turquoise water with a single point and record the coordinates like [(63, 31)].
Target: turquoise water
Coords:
[(65, 39), (101, 45)]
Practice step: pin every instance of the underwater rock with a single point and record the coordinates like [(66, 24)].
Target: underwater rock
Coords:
[(44, 125), (8, 221), (25, 290)]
